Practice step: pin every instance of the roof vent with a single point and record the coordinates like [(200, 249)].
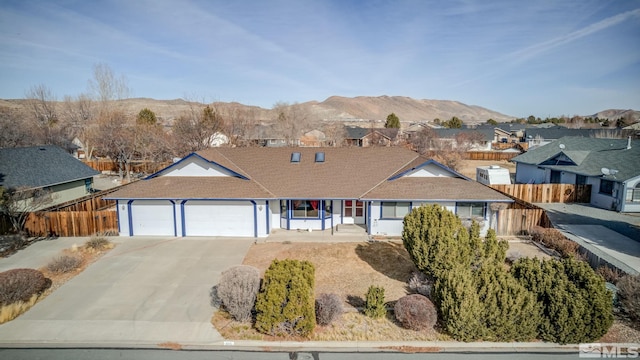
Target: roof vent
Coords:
[(295, 157), (320, 157)]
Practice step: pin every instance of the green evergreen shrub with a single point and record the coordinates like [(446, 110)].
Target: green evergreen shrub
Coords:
[(237, 290), (21, 284), (576, 305), (459, 306), (285, 304), (374, 306), (511, 312), (436, 240), (415, 312)]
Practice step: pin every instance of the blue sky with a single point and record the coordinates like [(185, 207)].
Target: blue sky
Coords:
[(545, 58)]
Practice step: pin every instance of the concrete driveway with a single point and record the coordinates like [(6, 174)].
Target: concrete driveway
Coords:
[(146, 291)]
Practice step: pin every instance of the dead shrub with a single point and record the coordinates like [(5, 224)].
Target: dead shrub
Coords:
[(98, 243), (416, 312), (610, 274), (21, 285), (554, 239), (237, 291), (64, 264), (328, 308), (420, 283), (629, 296)]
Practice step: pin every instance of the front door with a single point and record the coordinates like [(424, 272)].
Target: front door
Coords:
[(354, 212)]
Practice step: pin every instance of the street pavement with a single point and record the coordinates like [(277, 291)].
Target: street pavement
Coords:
[(145, 291)]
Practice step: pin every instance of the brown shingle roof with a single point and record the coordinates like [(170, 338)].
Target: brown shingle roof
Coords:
[(346, 173), (186, 187), (434, 188)]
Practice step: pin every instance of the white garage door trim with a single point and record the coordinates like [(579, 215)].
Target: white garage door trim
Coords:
[(218, 218), (152, 218)]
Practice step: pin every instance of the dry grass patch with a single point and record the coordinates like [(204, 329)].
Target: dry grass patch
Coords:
[(351, 326), (346, 269), (12, 311)]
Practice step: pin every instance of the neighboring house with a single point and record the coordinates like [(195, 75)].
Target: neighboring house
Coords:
[(48, 167), (269, 136), (610, 166), (482, 138), (251, 191), (537, 137), (365, 137)]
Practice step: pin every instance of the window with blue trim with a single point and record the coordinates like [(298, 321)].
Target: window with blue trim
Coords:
[(395, 210), (470, 210), (304, 209)]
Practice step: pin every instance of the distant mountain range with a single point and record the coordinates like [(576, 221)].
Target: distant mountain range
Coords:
[(338, 108)]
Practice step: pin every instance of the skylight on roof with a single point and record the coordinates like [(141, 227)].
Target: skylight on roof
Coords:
[(320, 157), (295, 157)]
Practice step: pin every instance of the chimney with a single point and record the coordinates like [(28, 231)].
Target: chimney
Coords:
[(629, 143)]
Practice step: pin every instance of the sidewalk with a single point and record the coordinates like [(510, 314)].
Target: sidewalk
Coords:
[(40, 253)]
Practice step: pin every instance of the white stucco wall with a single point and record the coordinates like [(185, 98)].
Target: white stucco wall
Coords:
[(393, 227), (194, 166)]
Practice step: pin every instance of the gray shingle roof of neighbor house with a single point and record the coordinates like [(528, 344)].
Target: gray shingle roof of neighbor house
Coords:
[(557, 132), (40, 166), (590, 155), (346, 173)]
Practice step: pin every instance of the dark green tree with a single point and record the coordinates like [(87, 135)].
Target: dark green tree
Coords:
[(576, 305), (492, 122), (436, 240), (146, 117), (392, 121), (453, 123)]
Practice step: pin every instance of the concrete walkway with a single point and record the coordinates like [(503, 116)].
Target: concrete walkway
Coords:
[(145, 291), (610, 235)]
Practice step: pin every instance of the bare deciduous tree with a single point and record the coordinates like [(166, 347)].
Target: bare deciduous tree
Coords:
[(116, 138), (335, 134), (292, 120), (240, 122), (106, 86), (42, 104), (14, 131), (194, 130), (80, 114)]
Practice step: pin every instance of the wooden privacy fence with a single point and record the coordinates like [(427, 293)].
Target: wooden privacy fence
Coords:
[(136, 166), (490, 155), (547, 193), (71, 223), (520, 221)]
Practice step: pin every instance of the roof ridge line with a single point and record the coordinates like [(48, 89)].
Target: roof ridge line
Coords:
[(387, 177), (251, 178)]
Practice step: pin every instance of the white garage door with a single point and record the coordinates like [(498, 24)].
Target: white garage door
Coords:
[(152, 217), (218, 218)]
